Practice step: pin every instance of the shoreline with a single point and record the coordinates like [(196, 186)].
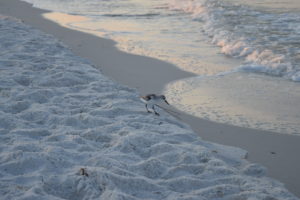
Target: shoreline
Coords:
[(275, 151)]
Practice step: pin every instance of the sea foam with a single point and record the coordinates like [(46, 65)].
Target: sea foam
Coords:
[(269, 40)]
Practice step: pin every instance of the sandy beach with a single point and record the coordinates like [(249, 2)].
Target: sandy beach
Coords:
[(277, 152)]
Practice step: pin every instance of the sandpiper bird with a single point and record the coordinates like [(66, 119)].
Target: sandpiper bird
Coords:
[(152, 100)]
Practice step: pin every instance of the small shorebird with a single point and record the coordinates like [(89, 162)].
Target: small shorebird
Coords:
[(152, 100)]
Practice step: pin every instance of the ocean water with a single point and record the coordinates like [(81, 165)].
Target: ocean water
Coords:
[(246, 54)]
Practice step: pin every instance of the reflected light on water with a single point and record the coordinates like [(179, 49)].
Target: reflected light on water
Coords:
[(153, 38)]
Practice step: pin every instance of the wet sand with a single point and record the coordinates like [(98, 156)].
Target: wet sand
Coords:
[(275, 151)]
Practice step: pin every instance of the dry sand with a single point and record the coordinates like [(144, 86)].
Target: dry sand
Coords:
[(278, 152)]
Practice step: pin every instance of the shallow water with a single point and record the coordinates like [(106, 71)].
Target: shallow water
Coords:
[(241, 99), (217, 40)]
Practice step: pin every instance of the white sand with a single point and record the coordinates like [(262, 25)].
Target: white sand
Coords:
[(125, 112), (59, 114)]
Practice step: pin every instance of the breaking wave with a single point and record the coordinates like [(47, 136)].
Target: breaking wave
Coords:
[(267, 41)]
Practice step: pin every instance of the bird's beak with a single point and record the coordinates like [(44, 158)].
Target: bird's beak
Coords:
[(167, 102)]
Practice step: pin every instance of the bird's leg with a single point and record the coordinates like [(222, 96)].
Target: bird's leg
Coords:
[(147, 108), (155, 111)]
